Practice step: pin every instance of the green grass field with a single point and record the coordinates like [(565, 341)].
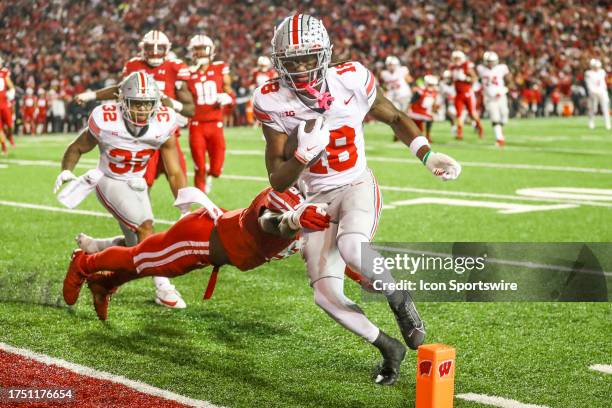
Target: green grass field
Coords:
[(261, 340)]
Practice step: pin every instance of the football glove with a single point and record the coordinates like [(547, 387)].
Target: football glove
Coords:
[(63, 177), (310, 144), (311, 216), (224, 99), (442, 166)]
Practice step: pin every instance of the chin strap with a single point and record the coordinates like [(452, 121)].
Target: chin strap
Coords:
[(324, 100)]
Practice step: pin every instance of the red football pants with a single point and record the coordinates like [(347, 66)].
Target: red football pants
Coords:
[(206, 137), (181, 249), (6, 116), (155, 167), (465, 99)]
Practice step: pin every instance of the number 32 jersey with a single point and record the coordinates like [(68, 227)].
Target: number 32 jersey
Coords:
[(123, 156), (353, 88)]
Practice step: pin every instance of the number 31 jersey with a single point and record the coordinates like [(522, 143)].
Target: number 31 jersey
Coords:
[(353, 88), (123, 156)]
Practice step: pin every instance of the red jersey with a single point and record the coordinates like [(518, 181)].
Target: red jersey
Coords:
[(166, 75), (4, 75), (425, 104), (246, 245), (460, 73), (29, 105), (258, 78), (204, 85)]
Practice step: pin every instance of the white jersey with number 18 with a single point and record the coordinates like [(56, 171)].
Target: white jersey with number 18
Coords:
[(353, 88)]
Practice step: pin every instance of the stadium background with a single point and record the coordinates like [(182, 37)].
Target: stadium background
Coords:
[(65, 47)]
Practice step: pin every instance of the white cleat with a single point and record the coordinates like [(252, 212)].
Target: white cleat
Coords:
[(591, 125), (169, 297), (86, 243)]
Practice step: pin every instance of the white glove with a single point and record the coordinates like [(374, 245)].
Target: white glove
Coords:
[(443, 166), (224, 99), (313, 143), (85, 97), (63, 177)]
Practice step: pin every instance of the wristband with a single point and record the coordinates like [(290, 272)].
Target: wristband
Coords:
[(417, 143), (88, 96)]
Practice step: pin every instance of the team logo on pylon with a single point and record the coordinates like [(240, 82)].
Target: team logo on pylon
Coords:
[(425, 368), (444, 368)]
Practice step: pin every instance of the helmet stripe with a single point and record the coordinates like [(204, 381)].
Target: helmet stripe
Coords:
[(295, 24), (141, 82)]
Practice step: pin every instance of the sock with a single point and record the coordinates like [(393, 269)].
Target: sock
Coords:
[(499, 136)]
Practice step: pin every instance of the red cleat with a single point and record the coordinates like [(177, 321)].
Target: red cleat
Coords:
[(458, 137), (500, 143), (101, 296), (75, 277)]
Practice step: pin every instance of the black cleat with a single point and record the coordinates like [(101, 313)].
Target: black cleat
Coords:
[(393, 353), (408, 319)]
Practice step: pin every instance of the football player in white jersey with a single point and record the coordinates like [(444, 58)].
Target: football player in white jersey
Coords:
[(492, 75), (597, 87), (127, 134), (396, 81), (329, 165)]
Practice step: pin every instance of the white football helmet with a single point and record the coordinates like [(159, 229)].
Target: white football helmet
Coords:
[(29, 91), (201, 50), (139, 97), (595, 63), (296, 39), (40, 92), (458, 57), (392, 62), (154, 47), (446, 74), (490, 58), (430, 80), (263, 63)]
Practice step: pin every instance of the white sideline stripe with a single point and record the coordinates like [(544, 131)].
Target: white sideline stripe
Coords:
[(180, 244), (68, 211), (496, 401), (603, 368), (101, 375)]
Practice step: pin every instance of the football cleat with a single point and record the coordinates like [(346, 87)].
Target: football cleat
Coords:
[(86, 243), (409, 321), (393, 353), (75, 277), (170, 297), (101, 296)]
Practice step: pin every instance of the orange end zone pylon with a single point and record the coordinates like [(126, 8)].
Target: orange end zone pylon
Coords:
[(435, 376)]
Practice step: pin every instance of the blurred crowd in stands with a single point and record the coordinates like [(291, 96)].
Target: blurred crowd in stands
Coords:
[(67, 46)]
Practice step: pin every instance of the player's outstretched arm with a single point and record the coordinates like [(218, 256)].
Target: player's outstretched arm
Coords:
[(407, 131), (404, 128), (281, 173), (176, 177), (108, 93), (84, 143)]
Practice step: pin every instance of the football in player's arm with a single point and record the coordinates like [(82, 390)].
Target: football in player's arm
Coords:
[(284, 173)]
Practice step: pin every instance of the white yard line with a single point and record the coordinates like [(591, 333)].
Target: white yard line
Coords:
[(67, 210), (515, 166), (101, 375), (496, 401), (602, 368)]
